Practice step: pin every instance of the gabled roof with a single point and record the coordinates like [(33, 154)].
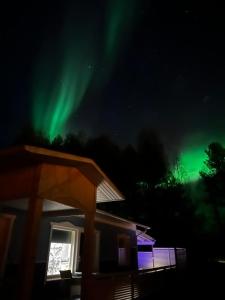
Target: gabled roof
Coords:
[(27, 155), (144, 239)]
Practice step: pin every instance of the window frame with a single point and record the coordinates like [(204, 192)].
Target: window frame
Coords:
[(75, 244)]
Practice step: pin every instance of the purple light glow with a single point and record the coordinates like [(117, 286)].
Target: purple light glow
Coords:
[(143, 241), (160, 257), (164, 257), (145, 260)]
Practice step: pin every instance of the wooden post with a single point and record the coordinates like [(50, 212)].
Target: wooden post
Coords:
[(88, 257), (30, 242), (29, 248), (6, 225)]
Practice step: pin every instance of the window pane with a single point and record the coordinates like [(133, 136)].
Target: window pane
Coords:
[(61, 236), (60, 252)]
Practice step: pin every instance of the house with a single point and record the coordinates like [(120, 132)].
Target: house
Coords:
[(49, 223)]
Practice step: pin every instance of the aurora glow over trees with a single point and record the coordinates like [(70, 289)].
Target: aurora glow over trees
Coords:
[(192, 157), (190, 163)]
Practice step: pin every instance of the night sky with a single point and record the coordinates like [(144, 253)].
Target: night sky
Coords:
[(155, 64)]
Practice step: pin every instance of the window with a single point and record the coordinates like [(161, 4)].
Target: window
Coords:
[(63, 249)]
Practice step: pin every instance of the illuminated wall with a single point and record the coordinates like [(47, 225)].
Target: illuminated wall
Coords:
[(145, 260), (159, 257), (164, 257)]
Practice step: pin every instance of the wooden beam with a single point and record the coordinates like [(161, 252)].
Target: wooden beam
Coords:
[(114, 222), (63, 213)]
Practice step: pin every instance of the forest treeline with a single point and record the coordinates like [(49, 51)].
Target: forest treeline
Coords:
[(179, 214)]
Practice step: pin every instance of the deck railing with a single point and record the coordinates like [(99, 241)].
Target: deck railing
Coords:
[(142, 283), (161, 257), (129, 285)]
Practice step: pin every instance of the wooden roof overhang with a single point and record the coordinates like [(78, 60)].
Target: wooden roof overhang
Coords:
[(65, 178)]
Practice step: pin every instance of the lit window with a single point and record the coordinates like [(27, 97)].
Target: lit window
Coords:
[(63, 248), (61, 251)]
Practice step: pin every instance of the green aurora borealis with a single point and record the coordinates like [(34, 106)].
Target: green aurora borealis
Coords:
[(81, 57), (54, 103), (62, 77), (66, 68), (120, 16)]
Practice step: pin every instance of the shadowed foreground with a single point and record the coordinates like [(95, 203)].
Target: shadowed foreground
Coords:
[(198, 281)]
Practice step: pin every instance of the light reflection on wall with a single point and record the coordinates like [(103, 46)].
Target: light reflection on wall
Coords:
[(145, 260), (159, 257), (164, 257)]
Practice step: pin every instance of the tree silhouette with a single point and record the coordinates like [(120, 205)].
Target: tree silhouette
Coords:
[(74, 143), (152, 160), (214, 181), (28, 135)]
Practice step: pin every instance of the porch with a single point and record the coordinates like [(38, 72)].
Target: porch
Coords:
[(48, 206), (36, 182)]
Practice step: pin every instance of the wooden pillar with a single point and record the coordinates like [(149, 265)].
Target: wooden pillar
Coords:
[(6, 225), (29, 245), (88, 257), (88, 253), (29, 248)]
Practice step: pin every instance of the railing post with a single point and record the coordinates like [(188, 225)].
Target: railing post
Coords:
[(132, 286), (153, 258), (113, 289), (169, 256)]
